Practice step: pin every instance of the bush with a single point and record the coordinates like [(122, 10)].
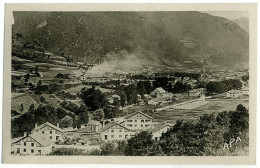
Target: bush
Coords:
[(67, 151)]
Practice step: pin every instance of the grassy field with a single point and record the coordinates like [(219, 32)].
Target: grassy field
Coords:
[(172, 115), (213, 106), (25, 99)]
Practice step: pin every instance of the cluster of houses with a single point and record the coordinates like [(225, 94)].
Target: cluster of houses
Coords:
[(43, 138), (243, 92)]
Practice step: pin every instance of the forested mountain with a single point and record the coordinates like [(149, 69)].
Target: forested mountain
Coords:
[(164, 38)]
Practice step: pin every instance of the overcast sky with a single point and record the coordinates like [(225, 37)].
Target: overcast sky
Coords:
[(231, 15)]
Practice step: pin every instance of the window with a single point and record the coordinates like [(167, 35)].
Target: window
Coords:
[(32, 151), (142, 120), (18, 150), (24, 150), (135, 125), (43, 132), (50, 132), (112, 136), (135, 120), (141, 125), (112, 130), (39, 152), (120, 130), (129, 120), (32, 144), (129, 125), (105, 137), (57, 137), (24, 143), (120, 136), (50, 137)]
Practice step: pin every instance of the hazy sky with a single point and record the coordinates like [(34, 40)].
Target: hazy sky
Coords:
[(231, 15)]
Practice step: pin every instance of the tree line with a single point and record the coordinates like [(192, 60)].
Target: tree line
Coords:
[(223, 86)]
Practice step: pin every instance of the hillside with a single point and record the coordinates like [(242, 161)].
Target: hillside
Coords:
[(151, 39), (243, 23)]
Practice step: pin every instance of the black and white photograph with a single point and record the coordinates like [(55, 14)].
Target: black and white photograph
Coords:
[(130, 83)]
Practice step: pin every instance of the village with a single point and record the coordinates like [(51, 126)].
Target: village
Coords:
[(90, 135), (134, 102)]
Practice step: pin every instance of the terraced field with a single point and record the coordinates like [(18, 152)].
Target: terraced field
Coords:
[(213, 106)]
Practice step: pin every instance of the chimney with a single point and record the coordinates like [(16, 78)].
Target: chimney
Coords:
[(103, 123), (35, 125), (58, 125), (25, 134)]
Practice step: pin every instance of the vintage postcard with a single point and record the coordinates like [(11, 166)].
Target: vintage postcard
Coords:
[(130, 83)]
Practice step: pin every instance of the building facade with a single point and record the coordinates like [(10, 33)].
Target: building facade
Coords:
[(53, 132), (114, 131), (33, 144), (138, 121)]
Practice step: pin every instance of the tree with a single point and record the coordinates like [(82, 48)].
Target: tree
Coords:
[(131, 93), (239, 121), (27, 78), (182, 139), (42, 99), (161, 82), (245, 78), (61, 113), (108, 113), (139, 145), (93, 98), (140, 88), (66, 122), (122, 98), (37, 69), (39, 88), (21, 108), (67, 152), (113, 148), (82, 115)]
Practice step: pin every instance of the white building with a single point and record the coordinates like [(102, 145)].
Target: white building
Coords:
[(152, 102), (233, 94), (196, 92), (114, 131), (158, 92), (138, 121), (53, 132), (94, 126), (33, 144)]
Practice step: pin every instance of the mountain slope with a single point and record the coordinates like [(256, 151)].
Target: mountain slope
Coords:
[(164, 38), (243, 23)]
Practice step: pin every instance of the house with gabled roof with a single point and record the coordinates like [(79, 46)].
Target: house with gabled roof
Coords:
[(159, 129), (94, 126), (53, 132), (115, 131), (158, 92), (33, 144), (138, 121)]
